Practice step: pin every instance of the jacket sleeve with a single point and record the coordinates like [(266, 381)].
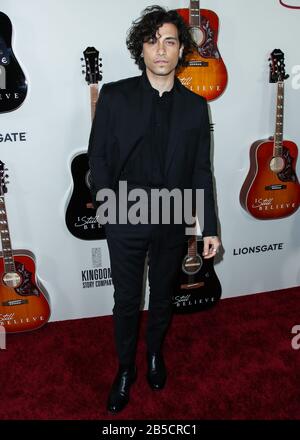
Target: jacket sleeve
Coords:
[(202, 175), (99, 169)]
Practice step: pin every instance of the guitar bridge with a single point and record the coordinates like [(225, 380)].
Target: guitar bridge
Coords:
[(196, 63), (192, 286), (14, 302), (274, 187)]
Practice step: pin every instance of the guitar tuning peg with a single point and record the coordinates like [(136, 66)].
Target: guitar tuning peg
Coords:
[(81, 59), (83, 72)]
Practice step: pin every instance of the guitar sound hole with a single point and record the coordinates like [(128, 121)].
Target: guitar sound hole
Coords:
[(12, 279), (2, 78), (198, 35), (88, 179), (191, 265)]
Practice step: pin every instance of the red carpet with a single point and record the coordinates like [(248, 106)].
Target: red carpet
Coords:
[(234, 361)]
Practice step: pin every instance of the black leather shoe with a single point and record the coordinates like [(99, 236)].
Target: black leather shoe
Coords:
[(119, 393), (157, 373)]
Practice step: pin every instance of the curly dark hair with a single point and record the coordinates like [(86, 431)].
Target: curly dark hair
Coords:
[(145, 27)]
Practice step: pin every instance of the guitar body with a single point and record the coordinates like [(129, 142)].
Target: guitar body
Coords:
[(196, 291), (205, 73), (25, 307), (266, 194), (13, 86), (81, 219)]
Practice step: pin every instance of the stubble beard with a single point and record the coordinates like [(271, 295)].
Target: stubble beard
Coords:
[(158, 72)]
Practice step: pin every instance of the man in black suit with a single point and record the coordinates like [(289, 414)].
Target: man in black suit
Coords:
[(152, 133)]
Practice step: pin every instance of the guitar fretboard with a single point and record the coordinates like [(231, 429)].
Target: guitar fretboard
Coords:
[(192, 246), (279, 120), (8, 258), (94, 98), (195, 13)]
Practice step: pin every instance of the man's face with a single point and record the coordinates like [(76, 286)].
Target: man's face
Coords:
[(161, 55)]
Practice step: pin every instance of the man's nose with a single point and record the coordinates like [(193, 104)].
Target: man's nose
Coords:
[(160, 48)]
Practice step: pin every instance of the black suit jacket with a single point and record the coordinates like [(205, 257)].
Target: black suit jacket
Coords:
[(121, 119)]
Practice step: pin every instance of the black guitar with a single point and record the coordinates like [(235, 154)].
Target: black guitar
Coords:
[(80, 215), (13, 85), (198, 287)]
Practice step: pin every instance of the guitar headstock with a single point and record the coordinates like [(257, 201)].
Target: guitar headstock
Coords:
[(92, 71), (277, 66), (3, 179)]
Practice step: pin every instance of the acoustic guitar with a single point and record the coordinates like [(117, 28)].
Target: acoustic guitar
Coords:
[(24, 302), (198, 287), (204, 71), (13, 85), (271, 189), (81, 217)]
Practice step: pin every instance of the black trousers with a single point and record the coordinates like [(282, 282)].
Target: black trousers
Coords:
[(128, 246)]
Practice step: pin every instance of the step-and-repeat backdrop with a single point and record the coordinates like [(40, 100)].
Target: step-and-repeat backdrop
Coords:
[(54, 60)]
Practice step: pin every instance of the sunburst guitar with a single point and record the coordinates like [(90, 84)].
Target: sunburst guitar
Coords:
[(271, 189), (24, 302), (204, 71)]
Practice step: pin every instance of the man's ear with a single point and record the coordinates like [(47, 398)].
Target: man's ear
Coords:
[(181, 51)]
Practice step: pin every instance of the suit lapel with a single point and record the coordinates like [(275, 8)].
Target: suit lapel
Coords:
[(139, 109), (139, 112), (177, 115)]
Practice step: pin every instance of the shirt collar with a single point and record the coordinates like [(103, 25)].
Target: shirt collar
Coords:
[(148, 87)]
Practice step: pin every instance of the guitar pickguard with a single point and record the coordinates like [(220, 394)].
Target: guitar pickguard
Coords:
[(209, 48), (287, 174), (27, 287)]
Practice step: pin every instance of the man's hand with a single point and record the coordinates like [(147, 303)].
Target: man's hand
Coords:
[(211, 246)]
